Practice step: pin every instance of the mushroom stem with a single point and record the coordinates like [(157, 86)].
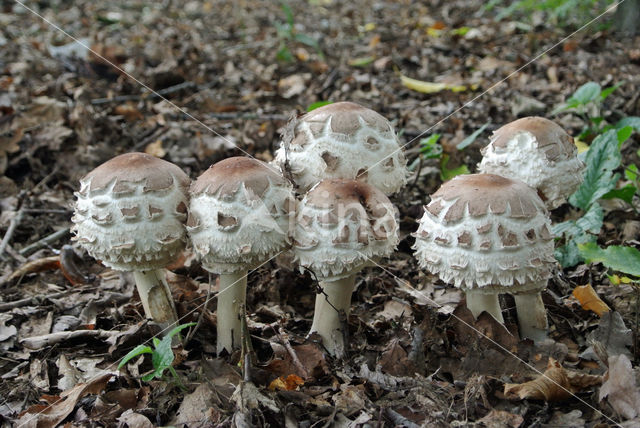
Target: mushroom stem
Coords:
[(479, 301), (532, 317), (334, 299), (156, 299), (231, 297)]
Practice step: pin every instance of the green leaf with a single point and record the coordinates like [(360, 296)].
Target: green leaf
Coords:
[(586, 93), (178, 329), (429, 147), (448, 174), (284, 54), (623, 135), (631, 172), (602, 158), (618, 258), (318, 104), (288, 12), (471, 138), (632, 121), (306, 40), (607, 91), (138, 350), (625, 193), (577, 232)]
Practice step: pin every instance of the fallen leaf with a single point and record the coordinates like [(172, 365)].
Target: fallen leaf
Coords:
[(589, 299), (40, 416), (611, 333), (288, 383), (132, 419), (501, 419), (6, 331), (555, 384), (619, 387), (571, 419), (155, 149), (197, 409), (432, 87), (129, 111)]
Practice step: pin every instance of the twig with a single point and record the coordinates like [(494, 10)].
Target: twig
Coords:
[(294, 356), (49, 239), (398, 419), (15, 221), (39, 342), (200, 317), (37, 300), (165, 91)]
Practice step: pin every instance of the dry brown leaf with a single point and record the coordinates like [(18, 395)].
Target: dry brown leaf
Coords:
[(619, 387), (501, 419), (288, 383), (555, 384), (40, 416), (589, 299)]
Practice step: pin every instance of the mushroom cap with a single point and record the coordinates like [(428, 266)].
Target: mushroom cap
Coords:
[(540, 153), (486, 232), (345, 140), (239, 214), (341, 225), (130, 212)]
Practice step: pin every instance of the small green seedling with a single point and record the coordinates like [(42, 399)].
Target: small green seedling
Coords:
[(287, 33), (161, 357)]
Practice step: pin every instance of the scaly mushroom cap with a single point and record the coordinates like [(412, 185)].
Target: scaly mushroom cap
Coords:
[(341, 225), (540, 153), (486, 232), (345, 140), (130, 212), (239, 214)]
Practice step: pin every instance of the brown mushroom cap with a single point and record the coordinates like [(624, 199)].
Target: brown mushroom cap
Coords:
[(130, 212), (239, 214), (341, 225), (487, 232), (553, 141), (344, 140), (538, 152)]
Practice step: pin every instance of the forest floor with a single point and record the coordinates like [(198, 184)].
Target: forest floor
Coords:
[(233, 73)]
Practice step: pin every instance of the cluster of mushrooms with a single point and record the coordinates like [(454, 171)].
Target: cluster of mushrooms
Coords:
[(486, 233)]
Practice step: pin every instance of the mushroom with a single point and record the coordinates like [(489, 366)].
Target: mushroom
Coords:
[(344, 140), (130, 213), (238, 219), (540, 153), (341, 226), (487, 235)]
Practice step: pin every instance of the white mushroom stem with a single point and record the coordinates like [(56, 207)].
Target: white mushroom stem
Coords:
[(532, 316), (156, 299), (334, 299), (479, 301), (231, 297)]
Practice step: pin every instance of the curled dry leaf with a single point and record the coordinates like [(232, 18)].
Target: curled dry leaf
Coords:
[(555, 384), (288, 383), (590, 300), (619, 387)]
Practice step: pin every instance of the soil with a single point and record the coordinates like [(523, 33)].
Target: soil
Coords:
[(196, 82)]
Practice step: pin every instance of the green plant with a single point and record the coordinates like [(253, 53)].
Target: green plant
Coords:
[(586, 102), (430, 148), (161, 357), (559, 12), (287, 34), (600, 180)]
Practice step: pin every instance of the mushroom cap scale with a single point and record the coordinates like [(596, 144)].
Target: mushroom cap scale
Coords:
[(345, 140), (488, 233), (239, 215), (540, 153), (341, 225), (130, 212)]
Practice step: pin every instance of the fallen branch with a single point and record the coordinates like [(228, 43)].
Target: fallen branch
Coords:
[(49, 239), (38, 342)]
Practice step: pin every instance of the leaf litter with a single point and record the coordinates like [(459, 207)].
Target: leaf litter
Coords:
[(414, 359)]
